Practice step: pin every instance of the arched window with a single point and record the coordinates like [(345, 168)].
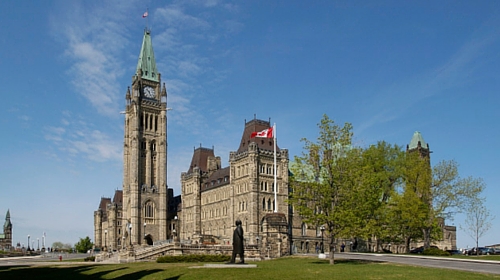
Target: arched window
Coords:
[(149, 212), (304, 229)]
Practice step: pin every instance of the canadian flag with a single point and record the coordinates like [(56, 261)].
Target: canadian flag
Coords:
[(145, 14), (266, 133)]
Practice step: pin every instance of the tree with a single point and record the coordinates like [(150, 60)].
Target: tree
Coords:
[(380, 172), (59, 246), (84, 245), (324, 179), (440, 191), (450, 193), (478, 221)]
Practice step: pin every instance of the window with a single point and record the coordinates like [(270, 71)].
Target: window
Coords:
[(149, 212)]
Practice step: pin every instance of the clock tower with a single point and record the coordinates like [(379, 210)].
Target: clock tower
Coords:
[(145, 191)]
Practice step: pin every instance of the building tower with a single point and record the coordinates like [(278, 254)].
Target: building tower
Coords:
[(418, 144), (145, 194), (6, 239)]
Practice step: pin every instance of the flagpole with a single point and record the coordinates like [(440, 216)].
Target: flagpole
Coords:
[(275, 183)]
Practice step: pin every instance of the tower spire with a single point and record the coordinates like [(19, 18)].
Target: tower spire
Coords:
[(146, 66)]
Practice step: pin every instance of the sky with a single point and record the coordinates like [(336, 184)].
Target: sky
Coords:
[(388, 67)]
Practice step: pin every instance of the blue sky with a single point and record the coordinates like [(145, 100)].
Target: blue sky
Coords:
[(388, 67)]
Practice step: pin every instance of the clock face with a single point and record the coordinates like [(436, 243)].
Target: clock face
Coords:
[(149, 92)]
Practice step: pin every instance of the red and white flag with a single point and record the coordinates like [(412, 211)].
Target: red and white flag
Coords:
[(145, 14), (266, 133)]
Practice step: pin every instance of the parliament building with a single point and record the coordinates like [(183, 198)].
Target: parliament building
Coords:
[(146, 212)]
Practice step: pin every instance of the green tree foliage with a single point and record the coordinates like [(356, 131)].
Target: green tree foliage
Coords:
[(83, 245), (450, 193), (324, 178), (380, 192), (59, 246), (379, 174)]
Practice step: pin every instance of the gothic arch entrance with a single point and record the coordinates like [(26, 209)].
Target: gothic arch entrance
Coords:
[(148, 239)]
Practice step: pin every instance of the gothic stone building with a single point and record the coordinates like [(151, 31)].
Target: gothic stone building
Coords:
[(138, 213), (6, 236), (214, 197)]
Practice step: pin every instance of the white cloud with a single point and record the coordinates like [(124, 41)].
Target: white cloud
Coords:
[(77, 139), (94, 38)]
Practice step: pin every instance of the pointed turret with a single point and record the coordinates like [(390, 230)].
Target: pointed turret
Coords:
[(417, 143), (146, 66), (7, 223)]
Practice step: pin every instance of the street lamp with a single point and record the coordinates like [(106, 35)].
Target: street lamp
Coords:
[(257, 238), (105, 239), (38, 240), (144, 230), (28, 242), (322, 244), (175, 226)]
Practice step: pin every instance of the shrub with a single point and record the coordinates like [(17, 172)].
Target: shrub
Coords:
[(193, 258), (435, 252), (90, 259)]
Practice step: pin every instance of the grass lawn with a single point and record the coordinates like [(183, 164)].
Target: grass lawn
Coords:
[(284, 268)]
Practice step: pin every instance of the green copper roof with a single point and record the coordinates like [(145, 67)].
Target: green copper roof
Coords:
[(415, 139), (147, 62)]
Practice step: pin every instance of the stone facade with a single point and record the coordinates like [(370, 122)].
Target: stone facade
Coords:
[(213, 197), (6, 236)]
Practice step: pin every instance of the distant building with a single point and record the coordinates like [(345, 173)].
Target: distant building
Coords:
[(6, 236)]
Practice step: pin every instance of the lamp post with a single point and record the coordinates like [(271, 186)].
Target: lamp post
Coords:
[(257, 238), (38, 247), (28, 242), (105, 239), (176, 219), (144, 230), (123, 242), (322, 244)]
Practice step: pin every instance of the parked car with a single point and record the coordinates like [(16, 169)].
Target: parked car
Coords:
[(480, 251)]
